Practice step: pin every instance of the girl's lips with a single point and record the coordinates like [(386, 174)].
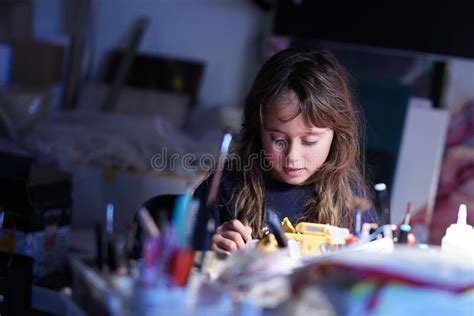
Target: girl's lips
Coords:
[(293, 171)]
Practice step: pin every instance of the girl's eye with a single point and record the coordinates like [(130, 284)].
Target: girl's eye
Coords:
[(280, 144), (309, 143)]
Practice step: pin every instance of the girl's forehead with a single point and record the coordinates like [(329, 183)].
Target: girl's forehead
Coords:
[(283, 107), (276, 121)]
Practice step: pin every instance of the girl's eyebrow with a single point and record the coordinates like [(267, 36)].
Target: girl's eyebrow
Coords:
[(311, 132), (270, 129), (308, 132)]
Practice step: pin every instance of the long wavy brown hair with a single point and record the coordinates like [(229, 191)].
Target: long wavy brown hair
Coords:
[(320, 83)]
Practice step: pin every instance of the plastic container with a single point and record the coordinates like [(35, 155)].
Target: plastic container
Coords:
[(459, 238)]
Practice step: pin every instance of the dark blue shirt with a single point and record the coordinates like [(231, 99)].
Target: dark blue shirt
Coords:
[(287, 200)]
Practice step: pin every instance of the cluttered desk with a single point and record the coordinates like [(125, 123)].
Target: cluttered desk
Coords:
[(301, 269), (311, 269)]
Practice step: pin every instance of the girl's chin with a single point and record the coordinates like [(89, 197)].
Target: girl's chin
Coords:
[(295, 178)]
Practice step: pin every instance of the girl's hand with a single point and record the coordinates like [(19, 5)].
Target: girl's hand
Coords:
[(231, 236)]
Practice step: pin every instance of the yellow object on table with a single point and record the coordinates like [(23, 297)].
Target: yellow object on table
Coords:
[(311, 237)]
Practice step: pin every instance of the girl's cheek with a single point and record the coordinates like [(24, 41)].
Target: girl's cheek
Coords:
[(278, 159), (274, 158)]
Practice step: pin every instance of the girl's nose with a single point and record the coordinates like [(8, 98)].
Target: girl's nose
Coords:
[(292, 154)]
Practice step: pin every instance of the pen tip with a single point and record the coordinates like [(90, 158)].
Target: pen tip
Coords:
[(408, 209)]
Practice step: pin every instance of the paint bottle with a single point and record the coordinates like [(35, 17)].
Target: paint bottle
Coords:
[(459, 237)]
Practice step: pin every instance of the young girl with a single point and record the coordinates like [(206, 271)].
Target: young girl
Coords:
[(299, 153)]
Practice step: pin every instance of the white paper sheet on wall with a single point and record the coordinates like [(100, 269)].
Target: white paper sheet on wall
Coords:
[(419, 159)]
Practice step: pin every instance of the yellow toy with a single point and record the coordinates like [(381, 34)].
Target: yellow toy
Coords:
[(312, 238), (268, 243)]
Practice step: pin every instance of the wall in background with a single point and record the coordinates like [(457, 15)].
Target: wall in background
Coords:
[(222, 34), (48, 18)]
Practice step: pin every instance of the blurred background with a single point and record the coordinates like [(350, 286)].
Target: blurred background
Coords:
[(117, 101)]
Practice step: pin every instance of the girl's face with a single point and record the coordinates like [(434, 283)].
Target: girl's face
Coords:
[(294, 149)]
